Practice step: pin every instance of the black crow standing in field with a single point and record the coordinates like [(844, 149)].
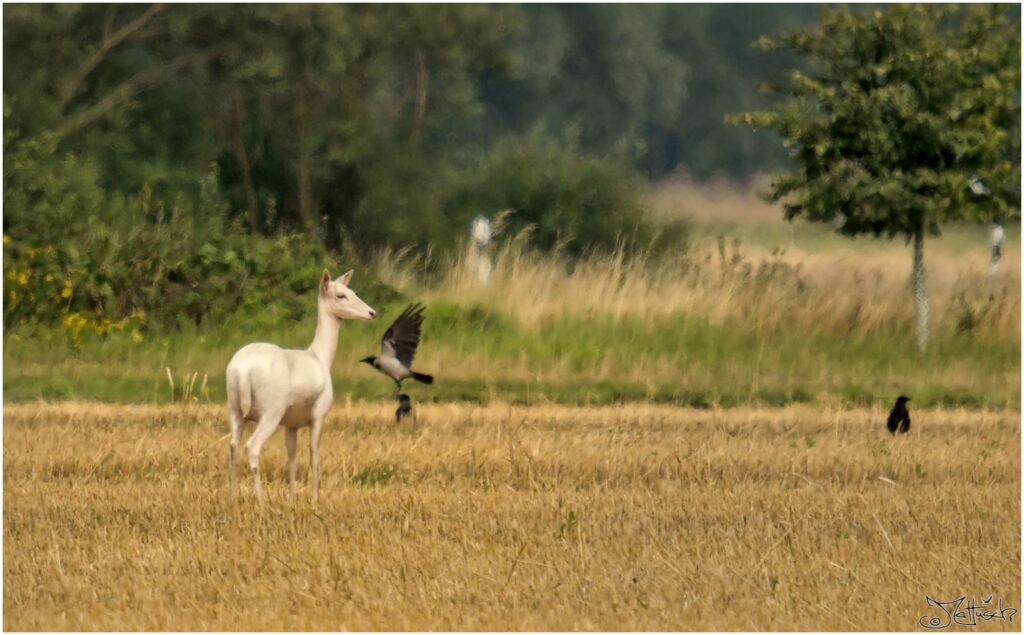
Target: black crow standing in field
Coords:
[(899, 418), (404, 407), (398, 348)]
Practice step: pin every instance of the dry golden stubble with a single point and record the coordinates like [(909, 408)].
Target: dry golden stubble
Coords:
[(505, 517)]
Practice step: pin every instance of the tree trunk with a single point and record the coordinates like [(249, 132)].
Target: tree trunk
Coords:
[(242, 157), (920, 291), (303, 160)]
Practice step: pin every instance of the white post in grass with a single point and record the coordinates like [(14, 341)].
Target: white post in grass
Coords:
[(480, 233), (995, 239)]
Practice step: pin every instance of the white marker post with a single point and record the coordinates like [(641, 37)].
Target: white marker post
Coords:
[(996, 234), (480, 257)]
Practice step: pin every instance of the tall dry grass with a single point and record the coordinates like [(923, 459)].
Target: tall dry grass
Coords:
[(744, 310), (501, 517), (838, 292)]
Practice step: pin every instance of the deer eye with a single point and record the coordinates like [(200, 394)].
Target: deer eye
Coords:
[(342, 296)]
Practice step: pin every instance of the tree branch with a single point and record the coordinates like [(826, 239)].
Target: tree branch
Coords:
[(127, 90), (108, 43)]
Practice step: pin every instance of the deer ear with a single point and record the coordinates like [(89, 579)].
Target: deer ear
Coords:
[(325, 279), (345, 277)]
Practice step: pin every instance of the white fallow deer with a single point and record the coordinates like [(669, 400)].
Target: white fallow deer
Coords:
[(274, 386)]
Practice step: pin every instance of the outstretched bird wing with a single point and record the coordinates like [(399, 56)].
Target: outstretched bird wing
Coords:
[(403, 336)]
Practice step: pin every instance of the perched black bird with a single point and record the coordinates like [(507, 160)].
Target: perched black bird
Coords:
[(899, 418), (398, 347), (404, 407)]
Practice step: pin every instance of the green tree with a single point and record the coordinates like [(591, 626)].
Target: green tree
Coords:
[(908, 118), (725, 72), (602, 70), (341, 112)]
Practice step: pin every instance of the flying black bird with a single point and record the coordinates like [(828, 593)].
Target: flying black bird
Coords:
[(398, 348), (404, 407), (899, 418)]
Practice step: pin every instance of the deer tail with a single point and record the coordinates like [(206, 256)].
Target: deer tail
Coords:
[(240, 393)]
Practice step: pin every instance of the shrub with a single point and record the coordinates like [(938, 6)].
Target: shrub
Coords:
[(567, 197), (105, 263)]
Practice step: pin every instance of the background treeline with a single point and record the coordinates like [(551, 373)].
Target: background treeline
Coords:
[(175, 152), (383, 124)]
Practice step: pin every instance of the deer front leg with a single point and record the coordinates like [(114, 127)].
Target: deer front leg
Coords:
[(290, 439), (314, 451)]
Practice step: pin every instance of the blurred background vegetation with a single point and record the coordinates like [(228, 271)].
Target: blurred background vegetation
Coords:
[(166, 151), (175, 173)]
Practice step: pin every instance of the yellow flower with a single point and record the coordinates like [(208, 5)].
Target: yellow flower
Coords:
[(7, 239), (23, 278), (13, 295), (136, 336), (66, 291), (75, 321), (49, 277)]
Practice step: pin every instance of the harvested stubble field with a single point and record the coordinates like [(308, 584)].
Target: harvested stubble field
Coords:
[(505, 517)]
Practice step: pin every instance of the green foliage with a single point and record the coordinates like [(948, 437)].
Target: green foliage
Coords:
[(100, 258), (308, 109), (908, 118), (376, 473), (605, 69), (571, 521), (653, 78), (352, 125)]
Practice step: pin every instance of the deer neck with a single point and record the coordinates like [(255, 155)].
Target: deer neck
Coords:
[(325, 342)]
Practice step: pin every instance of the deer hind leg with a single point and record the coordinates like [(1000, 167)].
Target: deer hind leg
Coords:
[(290, 439), (266, 427), (237, 428)]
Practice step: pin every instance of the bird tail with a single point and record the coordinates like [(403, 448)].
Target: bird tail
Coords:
[(426, 379)]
